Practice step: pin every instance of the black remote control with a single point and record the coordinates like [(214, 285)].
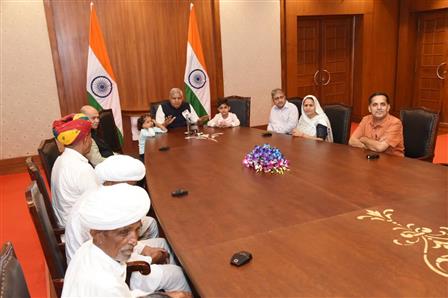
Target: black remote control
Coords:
[(179, 193), (164, 148)]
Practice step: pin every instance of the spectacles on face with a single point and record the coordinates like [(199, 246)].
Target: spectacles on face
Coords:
[(279, 97)]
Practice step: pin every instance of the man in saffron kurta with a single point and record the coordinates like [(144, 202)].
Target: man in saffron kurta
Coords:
[(380, 131)]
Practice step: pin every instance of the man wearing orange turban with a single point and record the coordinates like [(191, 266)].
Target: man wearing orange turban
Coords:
[(72, 175)]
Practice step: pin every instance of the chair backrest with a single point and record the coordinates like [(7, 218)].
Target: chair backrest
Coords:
[(12, 280), (35, 175), (340, 120), (153, 106), (419, 132), (53, 255), (48, 152), (241, 107), (108, 131), (297, 101)]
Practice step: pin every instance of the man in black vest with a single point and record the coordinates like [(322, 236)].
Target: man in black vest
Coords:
[(171, 114), (100, 149)]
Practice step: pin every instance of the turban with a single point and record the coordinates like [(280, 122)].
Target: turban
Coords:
[(120, 168), (113, 207), (71, 128)]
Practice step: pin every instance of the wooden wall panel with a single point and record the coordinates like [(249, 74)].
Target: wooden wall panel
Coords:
[(146, 42)]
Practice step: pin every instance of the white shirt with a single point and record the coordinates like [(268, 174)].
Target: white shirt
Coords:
[(71, 177), (160, 115), (92, 273), (283, 120), (231, 120), (147, 133)]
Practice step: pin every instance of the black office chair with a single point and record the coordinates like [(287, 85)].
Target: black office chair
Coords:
[(241, 107), (340, 120), (35, 175), (12, 280), (108, 131), (420, 127), (54, 252), (297, 101), (153, 106), (48, 152)]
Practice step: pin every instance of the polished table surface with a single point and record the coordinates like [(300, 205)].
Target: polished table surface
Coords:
[(335, 225)]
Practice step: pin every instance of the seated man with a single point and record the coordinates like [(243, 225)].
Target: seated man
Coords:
[(284, 115), (170, 115), (380, 131), (72, 175), (100, 149), (113, 215)]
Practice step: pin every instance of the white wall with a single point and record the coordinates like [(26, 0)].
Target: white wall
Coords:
[(29, 100), (251, 53)]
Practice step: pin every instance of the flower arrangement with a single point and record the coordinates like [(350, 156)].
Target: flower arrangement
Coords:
[(266, 159)]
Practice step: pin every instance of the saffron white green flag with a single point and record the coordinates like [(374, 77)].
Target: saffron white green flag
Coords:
[(197, 85), (102, 90)]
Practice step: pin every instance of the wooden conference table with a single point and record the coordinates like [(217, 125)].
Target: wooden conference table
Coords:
[(335, 225)]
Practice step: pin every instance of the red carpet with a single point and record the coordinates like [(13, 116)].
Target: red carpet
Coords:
[(17, 226)]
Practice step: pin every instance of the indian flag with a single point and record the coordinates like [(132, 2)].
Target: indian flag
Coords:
[(197, 85), (102, 90)]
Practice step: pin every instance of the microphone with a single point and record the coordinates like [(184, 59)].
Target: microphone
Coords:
[(187, 116)]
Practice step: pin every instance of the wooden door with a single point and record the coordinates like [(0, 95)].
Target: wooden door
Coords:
[(325, 58), (337, 53), (308, 57), (431, 73)]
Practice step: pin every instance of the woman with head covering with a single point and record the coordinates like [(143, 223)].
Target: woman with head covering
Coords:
[(313, 124)]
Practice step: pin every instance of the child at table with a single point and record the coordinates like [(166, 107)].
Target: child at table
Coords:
[(148, 129), (224, 118)]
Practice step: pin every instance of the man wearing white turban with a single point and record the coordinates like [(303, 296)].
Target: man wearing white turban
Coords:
[(98, 268), (124, 168), (154, 251)]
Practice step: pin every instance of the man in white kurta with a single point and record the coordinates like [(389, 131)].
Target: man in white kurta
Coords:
[(124, 168), (284, 115), (72, 175), (154, 251), (98, 268)]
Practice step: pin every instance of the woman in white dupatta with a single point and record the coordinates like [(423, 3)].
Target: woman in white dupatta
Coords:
[(313, 124)]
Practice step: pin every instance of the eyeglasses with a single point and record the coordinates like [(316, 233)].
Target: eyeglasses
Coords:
[(279, 97)]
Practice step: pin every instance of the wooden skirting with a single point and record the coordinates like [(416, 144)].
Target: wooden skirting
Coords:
[(16, 164)]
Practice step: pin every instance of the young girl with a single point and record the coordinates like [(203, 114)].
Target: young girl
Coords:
[(224, 118), (148, 129)]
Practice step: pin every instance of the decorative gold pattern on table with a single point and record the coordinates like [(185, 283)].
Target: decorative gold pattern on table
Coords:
[(435, 245)]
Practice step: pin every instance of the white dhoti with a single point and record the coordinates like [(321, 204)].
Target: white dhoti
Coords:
[(168, 277)]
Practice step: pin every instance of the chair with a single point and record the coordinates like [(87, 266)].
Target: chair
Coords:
[(241, 107), (297, 101), (108, 131), (48, 152), (419, 132), (340, 120), (153, 106), (53, 251), (35, 175), (12, 280)]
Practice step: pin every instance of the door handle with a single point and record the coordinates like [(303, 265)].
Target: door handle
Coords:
[(329, 78), (438, 71), (315, 77)]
